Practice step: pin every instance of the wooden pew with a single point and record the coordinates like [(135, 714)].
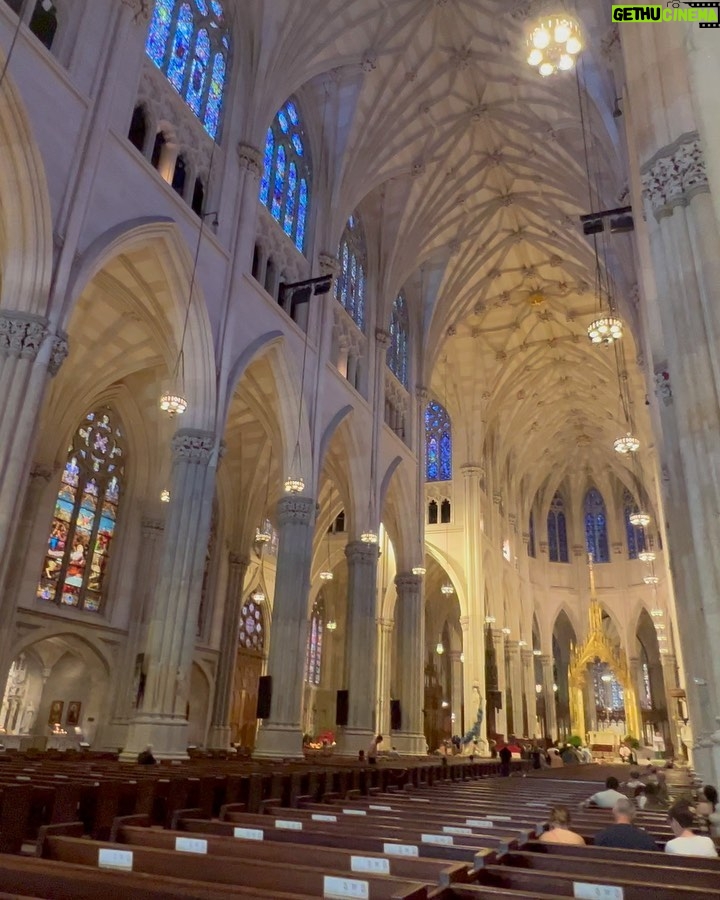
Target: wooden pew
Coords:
[(642, 857)]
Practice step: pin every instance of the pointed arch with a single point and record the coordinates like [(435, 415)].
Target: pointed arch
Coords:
[(596, 533), (438, 443), (557, 530)]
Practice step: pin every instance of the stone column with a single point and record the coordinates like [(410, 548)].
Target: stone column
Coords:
[(384, 674), (670, 683), (549, 696), (281, 734), (170, 643), (250, 162), (219, 736), (528, 670), (501, 717), (456, 691), (512, 649), (360, 647), (409, 644)]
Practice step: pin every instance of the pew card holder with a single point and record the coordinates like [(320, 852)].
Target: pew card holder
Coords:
[(335, 888), (585, 891), (109, 858)]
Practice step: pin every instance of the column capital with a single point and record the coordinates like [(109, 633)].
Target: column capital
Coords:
[(455, 656), (329, 264), (512, 646), (360, 552), (546, 660), (191, 445), (405, 581), (22, 334), (238, 560), (473, 470), (497, 635), (58, 353), (250, 159), (386, 625), (294, 509), (150, 526), (674, 175), (465, 622), (526, 655), (422, 393), (42, 472), (383, 338), (578, 551)]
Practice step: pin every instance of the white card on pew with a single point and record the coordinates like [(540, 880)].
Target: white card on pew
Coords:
[(419, 800), (535, 803), (381, 808), (437, 839), (249, 834), (584, 891), (480, 823), (115, 859), (500, 818), (401, 850), (321, 817), (290, 824), (452, 829), (355, 812), (191, 845), (373, 864), (338, 888)]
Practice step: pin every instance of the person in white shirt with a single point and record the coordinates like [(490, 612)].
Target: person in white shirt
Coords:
[(686, 842), (608, 798)]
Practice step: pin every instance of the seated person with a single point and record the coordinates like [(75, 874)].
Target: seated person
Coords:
[(559, 831), (556, 761), (374, 749), (608, 798), (686, 842), (633, 783), (146, 758), (707, 809), (623, 835)]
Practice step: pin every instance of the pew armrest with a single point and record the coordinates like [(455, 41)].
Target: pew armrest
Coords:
[(140, 820), (65, 829), (231, 808), (483, 858), (193, 813), (266, 805)]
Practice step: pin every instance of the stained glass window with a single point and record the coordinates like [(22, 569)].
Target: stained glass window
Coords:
[(350, 284), (313, 658), (531, 535), (557, 530), (183, 40), (286, 174), (251, 635), (397, 353), (596, 535), (85, 515), (438, 443), (635, 533), (646, 696)]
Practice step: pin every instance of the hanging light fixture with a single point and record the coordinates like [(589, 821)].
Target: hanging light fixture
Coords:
[(263, 535), (489, 620), (657, 613), (522, 643), (447, 589), (628, 443), (165, 496), (439, 649), (295, 483), (650, 579), (641, 519), (419, 570), (462, 658), (327, 573), (507, 631), (553, 44), (605, 330), (331, 625), (646, 556), (537, 652), (258, 595)]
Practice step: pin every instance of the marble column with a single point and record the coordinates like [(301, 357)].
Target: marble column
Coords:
[(161, 720), (409, 644), (549, 696), (219, 736), (360, 647), (280, 735), (512, 650), (528, 680), (670, 683), (456, 691), (501, 717), (384, 674)]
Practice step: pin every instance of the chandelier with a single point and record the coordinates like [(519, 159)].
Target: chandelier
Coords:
[(258, 595), (369, 537), (656, 613), (489, 620), (331, 625), (605, 330), (294, 484), (651, 579), (174, 404), (628, 443), (264, 535), (646, 556), (641, 519), (447, 589), (419, 570), (553, 45), (439, 649), (165, 496), (327, 575)]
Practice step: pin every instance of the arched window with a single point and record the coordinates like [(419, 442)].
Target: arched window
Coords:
[(397, 354), (313, 657), (635, 533), (350, 284), (285, 183), (44, 22), (531, 535), (596, 536), (251, 635), (85, 515), (189, 42), (438, 443), (432, 518), (557, 530)]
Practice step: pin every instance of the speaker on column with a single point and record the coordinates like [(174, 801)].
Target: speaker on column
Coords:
[(342, 705), (395, 716), (264, 697)]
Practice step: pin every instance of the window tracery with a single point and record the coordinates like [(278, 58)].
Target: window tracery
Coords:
[(285, 182), (313, 657), (557, 530), (596, 535), (397, 352), (85, 515), (438, 443), (251, 635), (189, 42), (350, 283)]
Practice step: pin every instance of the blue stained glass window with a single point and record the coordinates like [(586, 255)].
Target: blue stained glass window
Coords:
[(397, 352), (214, 103), (557, 530), (267, 166), (596, 535), (279, 183), (284, 187), (159, 31), (350, 284), (182, 41), (290, 203), (635, 533), (438, 443)]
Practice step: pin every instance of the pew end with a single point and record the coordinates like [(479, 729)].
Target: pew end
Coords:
[(65, 829)]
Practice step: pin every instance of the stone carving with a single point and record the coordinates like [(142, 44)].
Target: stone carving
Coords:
[(359, 552), (407, 585), (21, 334), (674, 175), (59, 352), (369, 61), (40, 471), (382, 338), (329, 264), (663, 388), (192, 446), (140, 9), (295, 510), (250, 158)]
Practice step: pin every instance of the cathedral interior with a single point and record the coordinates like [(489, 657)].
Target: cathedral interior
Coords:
[(359, 374)]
